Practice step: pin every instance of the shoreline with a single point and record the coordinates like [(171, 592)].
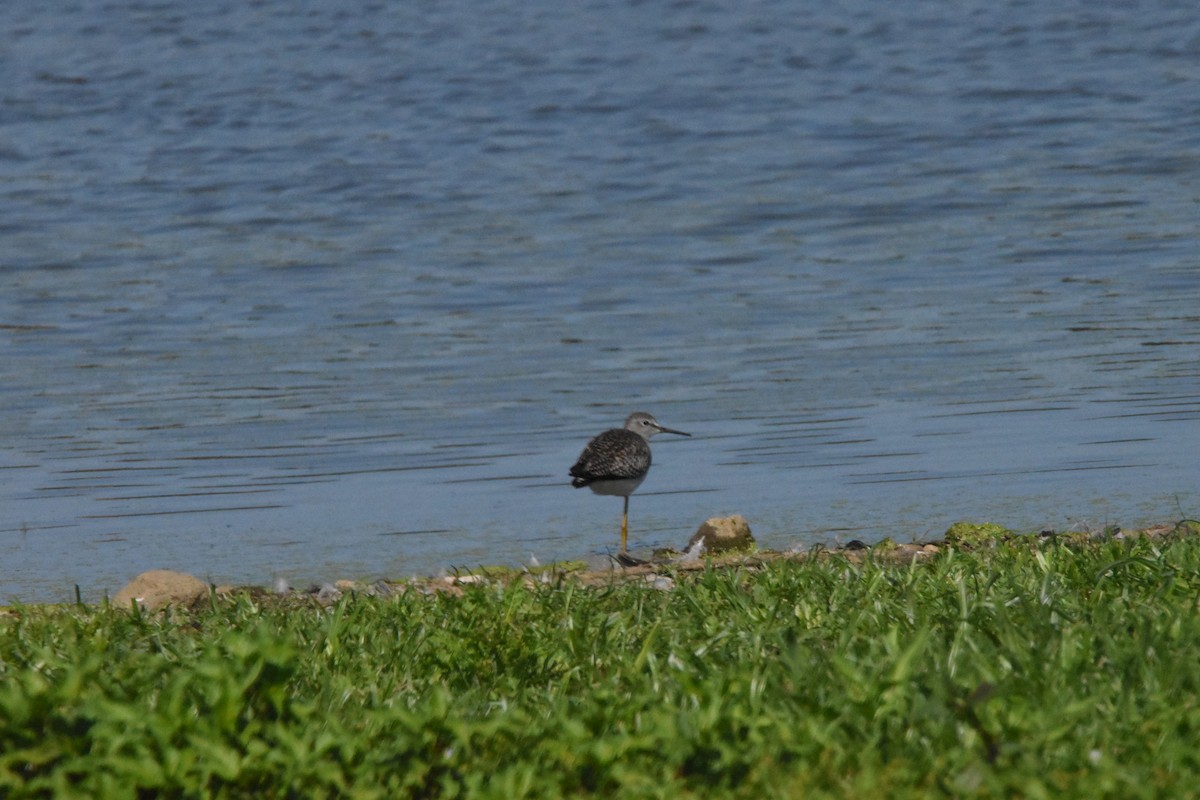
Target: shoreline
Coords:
[(158, 589)]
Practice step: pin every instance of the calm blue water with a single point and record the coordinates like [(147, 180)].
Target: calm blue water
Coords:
[(313, 291)]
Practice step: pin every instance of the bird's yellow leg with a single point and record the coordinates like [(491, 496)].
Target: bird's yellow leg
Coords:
[(624, 524)]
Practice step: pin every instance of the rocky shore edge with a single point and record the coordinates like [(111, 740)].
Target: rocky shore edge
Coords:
[(720, 542)]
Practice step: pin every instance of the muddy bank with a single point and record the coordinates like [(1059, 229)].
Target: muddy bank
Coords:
[(161, 588)]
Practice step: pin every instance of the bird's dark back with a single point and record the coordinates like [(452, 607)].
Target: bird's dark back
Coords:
[(616, 454)]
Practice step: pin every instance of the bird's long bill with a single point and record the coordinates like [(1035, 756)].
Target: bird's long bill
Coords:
[(661, 429)]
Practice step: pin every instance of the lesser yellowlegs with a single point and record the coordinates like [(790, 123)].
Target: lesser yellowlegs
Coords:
[(616, 462)]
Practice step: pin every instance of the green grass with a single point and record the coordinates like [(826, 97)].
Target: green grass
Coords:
[(1030, 670)]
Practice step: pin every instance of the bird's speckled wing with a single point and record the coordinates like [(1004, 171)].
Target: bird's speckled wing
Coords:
[(616, 454)]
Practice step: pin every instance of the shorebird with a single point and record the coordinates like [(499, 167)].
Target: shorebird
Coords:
[(616, 462)]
